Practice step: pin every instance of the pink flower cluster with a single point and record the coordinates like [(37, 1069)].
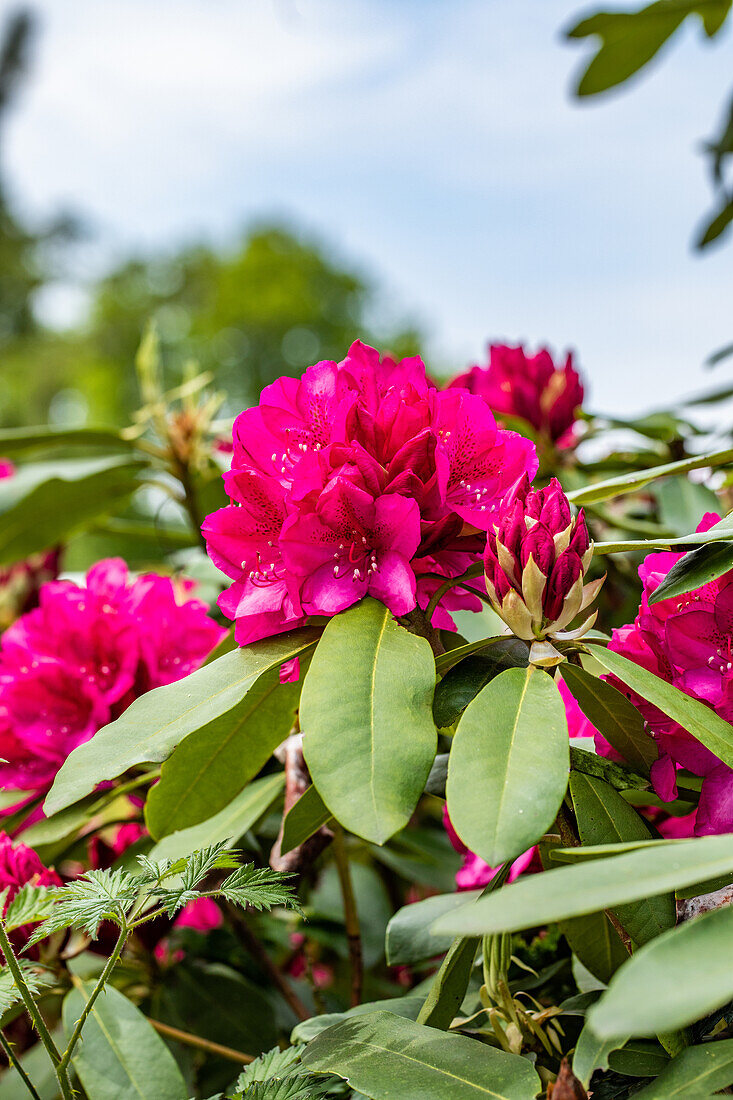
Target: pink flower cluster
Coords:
[(20, 582), (360, 478), (532, 387), (80, 658), (19, 865), (688, 641)]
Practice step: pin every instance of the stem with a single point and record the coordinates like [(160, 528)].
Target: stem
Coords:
[(249, 941), (190, 502), (29, 1001), (14, 1062), (453, 582), (101, 982), (202, 1044), (351, 916)]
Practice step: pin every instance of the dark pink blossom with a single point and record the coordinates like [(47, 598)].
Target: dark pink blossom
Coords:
[(20, 866), (688, 641), (532, 387), (77, 661), (361, 478)]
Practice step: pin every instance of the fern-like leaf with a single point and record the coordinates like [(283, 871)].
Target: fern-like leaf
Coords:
[(190, 873), (297, 1087), (274, 1063), (30, 904), (259, 887), (35, 979), (87, 901)]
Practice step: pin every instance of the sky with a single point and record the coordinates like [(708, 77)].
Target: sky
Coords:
[(435, 143)]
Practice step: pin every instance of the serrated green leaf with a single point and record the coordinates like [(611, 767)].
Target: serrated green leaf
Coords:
[(274, 1063), (35, 978), (30, 904), (87, 901), (258, 887), (366, 713)]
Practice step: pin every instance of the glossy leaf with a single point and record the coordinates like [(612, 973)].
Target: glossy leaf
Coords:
[(464, 681), (386, 1056), (231, 823), (120, 1056), (630, 483), (591, 1053), (591, 885), (613, 715), (702, 722), (16, 441), (639, 1058), (154, 724), (508, 767), (303, 819), (671, 982), (366, 713), (212, 766), (409, 936), (696, 1072), (603, 817), (449, 986), (46, 502), (698, 567), (596, 943)]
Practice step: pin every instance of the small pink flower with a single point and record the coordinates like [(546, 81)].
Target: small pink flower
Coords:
[(202, 914), (533, 387)]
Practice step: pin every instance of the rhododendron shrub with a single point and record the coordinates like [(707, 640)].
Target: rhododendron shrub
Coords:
[(428, 775)]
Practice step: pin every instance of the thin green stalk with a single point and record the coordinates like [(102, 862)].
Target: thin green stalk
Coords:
[(351, 916), (14, 1062), (454, 582), (29, 1001), (101, 982)]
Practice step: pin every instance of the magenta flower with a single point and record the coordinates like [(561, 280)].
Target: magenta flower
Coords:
[(535, 564), (532, 387), (19, 865), (79, 659), (361, 478), (688, 641)]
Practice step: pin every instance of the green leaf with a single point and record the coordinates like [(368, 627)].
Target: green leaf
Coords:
[(407, 1006), (214, 764), (682, 503), (366, 715), (671, 982), (591, 1053), (616, 775), (30, 904), (34, 977), (591, 885), (274, 1063), (449, 986), (695, 1072), (37, 1065), (303, 819), (629, 40), (258, 888), (451, 657), (87, 901), (16, 441), (229, 824), (613, 715), (605, 818), (409, 937), (702, 722), (508, 767), (629, 483), (464, 681), (639, 1058), (154, 724), (716, 225), (385, 1056), (698, 567), (120, 1057), (596, 943), (46, 502)]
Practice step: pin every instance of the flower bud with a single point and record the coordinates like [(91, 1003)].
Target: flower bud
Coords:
[(535, 563)]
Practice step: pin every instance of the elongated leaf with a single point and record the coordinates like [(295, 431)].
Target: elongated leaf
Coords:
[(385, 1056), (366, 715), (596, 943), (702, 722), (120, 1056), (154, 724), (639, 1058), (304, 819), (407, 1006), (618, 776), (47, 501), (605, 818), (613, 715), (409, 937), (698, 567), (508, 767), (591, 1053), (591, 885), (231, 823), (693, 1073), (449, 986), (629, 483), (683, 502), (15, 441), (464, 681), (672, 981), (209, 768), (451, 657)]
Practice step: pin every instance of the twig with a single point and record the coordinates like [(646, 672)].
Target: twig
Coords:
[(190, 1040), (351, 916)]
